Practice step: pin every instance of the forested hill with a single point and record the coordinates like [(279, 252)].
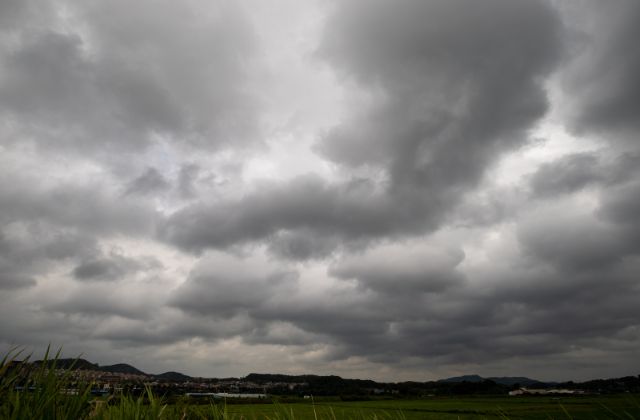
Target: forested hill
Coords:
[(75, 364), (82, 364), (122, 368)]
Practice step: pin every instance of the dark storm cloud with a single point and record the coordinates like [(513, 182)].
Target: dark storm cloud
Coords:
[(458, 84), (42, 227), (403, 315), (114, 86), (566, 175), (306, 203), (403, 271), (302, 245), (227, 287), (100, 303), (89, 209), (136, 332), (622, 204), (587, 255), (604, 86), (572, 287), (342, 319), (572, 242), (410, 253), (579, 238), (114, 267), (540, 313), (27, 252)]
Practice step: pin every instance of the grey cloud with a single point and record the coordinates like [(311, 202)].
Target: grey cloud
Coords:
[(307, 203), (605, 293), (279, 333), (47, 78), (90, 208), (575, 237), (459, 83), (175, 327), (113, 86), (568, 291), (11, 281), (626, 167), (229, 288), (27, 253), (603, 84), (104, 269), (399, 271), (302, 245), (100, 303), (151, 181), (186, 178), (345, 321), (16, 14), (482, 325), (114, 266), (438, 121), (571, 240), (622, 204), (568, 174), (443, 88), (42, 227)]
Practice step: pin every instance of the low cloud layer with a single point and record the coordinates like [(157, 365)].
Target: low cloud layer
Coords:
[(396, 191)]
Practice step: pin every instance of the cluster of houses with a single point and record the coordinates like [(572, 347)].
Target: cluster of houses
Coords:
[(552, 391), (115, 382)]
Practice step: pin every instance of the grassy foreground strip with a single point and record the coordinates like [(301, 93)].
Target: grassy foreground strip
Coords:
[(40, 391)]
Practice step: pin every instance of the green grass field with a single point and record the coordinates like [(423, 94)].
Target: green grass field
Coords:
[(601, 407)]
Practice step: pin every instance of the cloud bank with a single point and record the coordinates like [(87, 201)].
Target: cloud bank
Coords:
[(404, 191)]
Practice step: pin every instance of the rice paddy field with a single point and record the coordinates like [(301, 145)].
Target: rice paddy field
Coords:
[(597, 407)]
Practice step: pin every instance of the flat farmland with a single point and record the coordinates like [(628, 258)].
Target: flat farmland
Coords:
[(597, 407)]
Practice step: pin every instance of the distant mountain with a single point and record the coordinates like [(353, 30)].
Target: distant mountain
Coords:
[(513, 380), (75, 364), (262, 378), (82, 364), (173, 376), (464, 378), (122, 368), (504, 380)]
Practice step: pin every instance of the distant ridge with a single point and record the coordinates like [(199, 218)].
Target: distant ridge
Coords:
[(75, 364), (122, 368), (464, 378), (519, 380), (173, 376), (503, 380)]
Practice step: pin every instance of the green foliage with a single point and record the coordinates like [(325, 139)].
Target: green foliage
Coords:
[(40, 392)]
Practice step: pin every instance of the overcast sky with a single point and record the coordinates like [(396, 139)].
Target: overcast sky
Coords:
[(395, 190)]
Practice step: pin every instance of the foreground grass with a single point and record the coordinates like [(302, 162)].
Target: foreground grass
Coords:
[(28, 392), (466, 408)]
